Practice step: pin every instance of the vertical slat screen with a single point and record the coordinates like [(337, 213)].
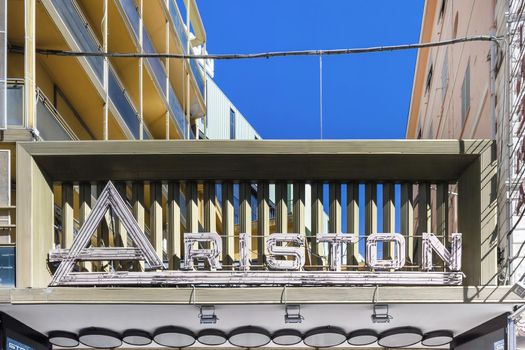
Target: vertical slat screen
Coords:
[(281, 207), (424, 217), (263, 218), (335, 218), (228, 230), (442, 209), (317, 223), (192, 207), (389, 217), (370, 209), (174, 248), (298, 208), (67, 215), (210, 223), (245, 217), (407, 219), (352, 221), (84, 190), (121, 236), (155, 215), (137, 201)]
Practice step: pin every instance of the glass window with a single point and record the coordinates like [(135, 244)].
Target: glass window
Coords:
[(7, 266), (465, 95), (232, 124)]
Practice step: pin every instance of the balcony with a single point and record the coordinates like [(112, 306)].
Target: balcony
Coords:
[(368, 188), (79, 35), (49, 125)]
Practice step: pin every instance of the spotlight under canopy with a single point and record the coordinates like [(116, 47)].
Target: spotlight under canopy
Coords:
[(362, 337), (174, 337), (249, 337), (287, 337), (100, 338), (136, 337), (63, 339), (400, 337), (437, 338), (212, 337), (324, 337)]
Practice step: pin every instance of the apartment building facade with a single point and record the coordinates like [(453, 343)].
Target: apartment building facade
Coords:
[(474, 90)]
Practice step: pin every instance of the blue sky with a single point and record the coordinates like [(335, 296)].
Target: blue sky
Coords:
[(365, 96)]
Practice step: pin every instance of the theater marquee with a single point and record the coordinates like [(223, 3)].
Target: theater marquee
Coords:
[(285, 258)]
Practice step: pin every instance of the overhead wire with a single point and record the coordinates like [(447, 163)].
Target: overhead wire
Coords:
[(272, 54)]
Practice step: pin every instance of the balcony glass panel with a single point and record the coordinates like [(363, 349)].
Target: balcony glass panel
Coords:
[(177, 21), (83, 37), (7, 267), (49, 128), (198, 77), (15, 105)]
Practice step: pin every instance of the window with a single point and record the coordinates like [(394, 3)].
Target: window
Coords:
[(232, 124), (429, 78), (444, 77), (442, 9), (465, 95)]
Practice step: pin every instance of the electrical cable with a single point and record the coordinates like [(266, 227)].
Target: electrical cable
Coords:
[(348, 51)]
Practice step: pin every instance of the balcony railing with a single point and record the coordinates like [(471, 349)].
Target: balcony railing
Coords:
[(183, 37), (83, 36), (49, 125), (155, 65), (390, 204)]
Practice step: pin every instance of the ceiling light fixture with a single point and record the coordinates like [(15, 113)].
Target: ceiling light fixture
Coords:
[(324, 337), (362, 337), (286, 337), (207, 314), (380, 314), (212, 337), (136, 337), (437, 338), (174, 337), (293, 314), (400, 337), (249, 337), (100, 338), (63, 339)]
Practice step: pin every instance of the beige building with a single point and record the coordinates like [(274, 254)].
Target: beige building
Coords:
[(451, 95)]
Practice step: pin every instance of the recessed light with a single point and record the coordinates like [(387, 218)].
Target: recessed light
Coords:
[(437, 338), (174, 337), (362, 337), (400, 337), (63, 339), (212, 337), (249, 337), (324, 337), (287, 337), (136, 337), (100, 338)]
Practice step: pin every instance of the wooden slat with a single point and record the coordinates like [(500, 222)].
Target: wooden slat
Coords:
[(281, 207), (245, 208), (210, 222), (317, 224), (121, 235), (84, 189), (370, 209), (192, 207), (352, 221), (263, 218), (137, 201), (104, 239), (424, 217), (298, 208), (174, 232), (228, 230), (335, 220), (407, 219), (155, 215), (66, 239), (389, 217), (442, 209)]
